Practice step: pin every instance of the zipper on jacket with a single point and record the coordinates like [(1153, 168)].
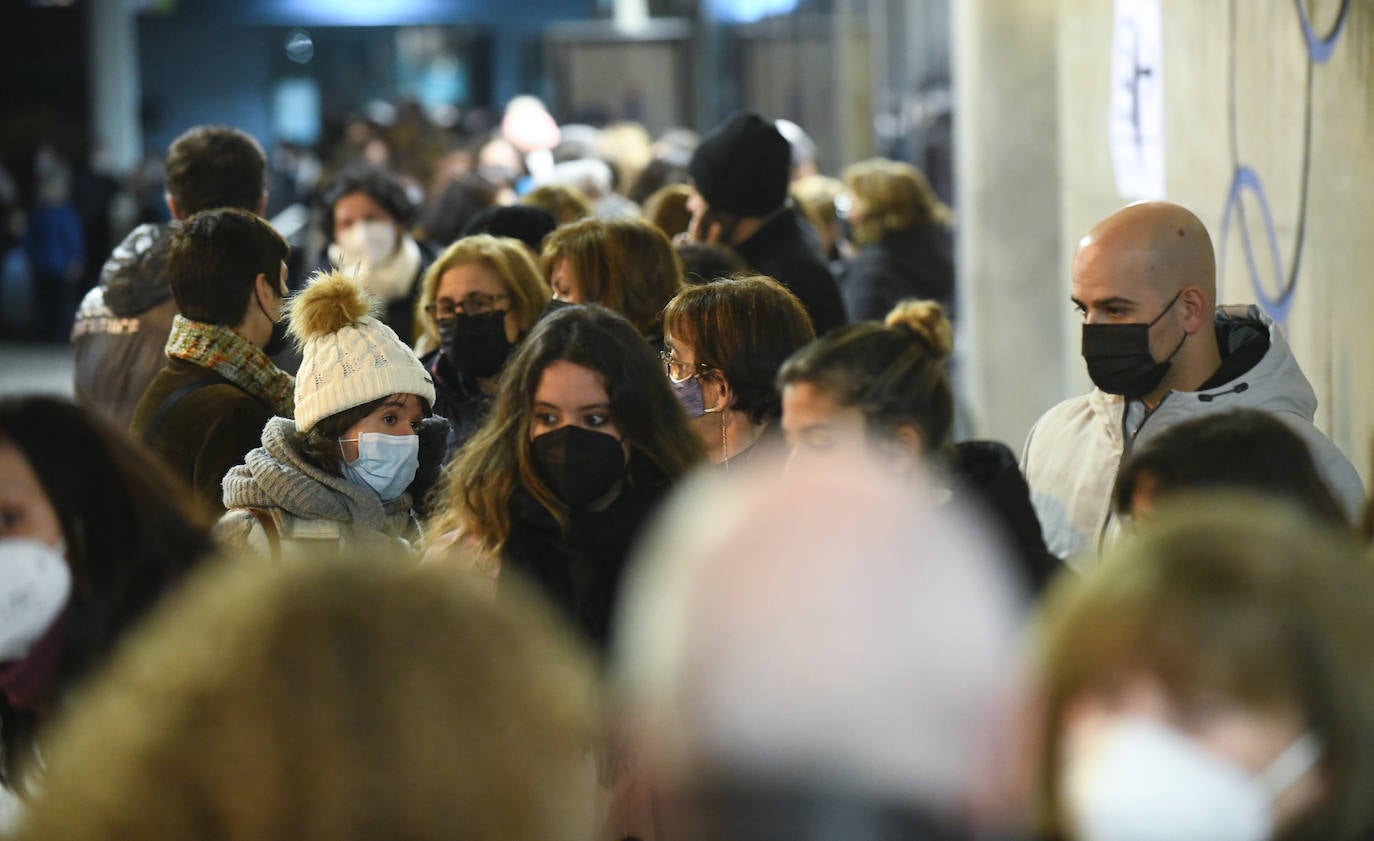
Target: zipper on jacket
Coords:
[(1125, 453)]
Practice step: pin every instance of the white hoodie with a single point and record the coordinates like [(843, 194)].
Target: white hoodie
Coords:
[(1073, 452)]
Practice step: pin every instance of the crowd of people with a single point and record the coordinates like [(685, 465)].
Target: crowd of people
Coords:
[(615, 492)]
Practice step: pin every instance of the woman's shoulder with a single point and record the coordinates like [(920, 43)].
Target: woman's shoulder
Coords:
[(459, 550)]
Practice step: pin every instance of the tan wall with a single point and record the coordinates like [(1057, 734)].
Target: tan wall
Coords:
[(1332, 310)]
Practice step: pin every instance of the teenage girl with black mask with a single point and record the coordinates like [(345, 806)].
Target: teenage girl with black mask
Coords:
[(584, 439)]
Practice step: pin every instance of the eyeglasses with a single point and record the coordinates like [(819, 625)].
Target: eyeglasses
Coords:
[(677, 370), (477, 303)]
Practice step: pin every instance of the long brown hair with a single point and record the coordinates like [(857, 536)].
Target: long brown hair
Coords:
[(497, 459), (130, 531)]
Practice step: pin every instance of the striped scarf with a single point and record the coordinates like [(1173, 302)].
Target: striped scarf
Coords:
[(218, 348)]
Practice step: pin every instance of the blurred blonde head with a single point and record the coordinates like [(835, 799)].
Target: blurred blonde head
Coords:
[(815, 196), (1225, 600), (334, 699), (667, 209), (567, 204), (508, 258), (890, 196)]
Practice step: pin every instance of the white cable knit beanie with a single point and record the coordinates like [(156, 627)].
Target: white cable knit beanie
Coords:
[(351, 358)]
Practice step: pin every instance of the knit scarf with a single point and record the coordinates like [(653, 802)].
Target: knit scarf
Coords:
[(276, 475), (219, 349)]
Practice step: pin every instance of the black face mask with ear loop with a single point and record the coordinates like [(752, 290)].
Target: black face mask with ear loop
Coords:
[(277, 342), (1119, 359)]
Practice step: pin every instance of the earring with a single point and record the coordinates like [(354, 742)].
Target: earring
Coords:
[(724, 442)]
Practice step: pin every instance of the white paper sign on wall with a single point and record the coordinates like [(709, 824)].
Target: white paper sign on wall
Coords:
[(1135, 121)]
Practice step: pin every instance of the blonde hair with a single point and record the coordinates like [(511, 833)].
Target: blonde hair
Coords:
[(895, 195), (508, 258), (1230, 595), (624, 264), (337, 699), (667, 209), (567, 204), (815, 196)]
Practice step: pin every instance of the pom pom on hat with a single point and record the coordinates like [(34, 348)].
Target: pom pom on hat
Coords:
[(743, 166), (349, 357), (328, 304)]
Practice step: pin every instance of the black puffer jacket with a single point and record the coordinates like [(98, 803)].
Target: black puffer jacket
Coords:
[(782, 250), (913, 263), (987, 477), (581, 573), (122, 325)]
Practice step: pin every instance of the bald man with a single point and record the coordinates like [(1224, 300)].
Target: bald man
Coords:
[(1160, 352)]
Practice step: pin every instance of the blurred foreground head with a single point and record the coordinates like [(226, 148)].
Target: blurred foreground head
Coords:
[(332, 700), (825, 653), (1212, 678)]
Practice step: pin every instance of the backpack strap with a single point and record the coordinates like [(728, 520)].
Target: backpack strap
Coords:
[(170, 402), (269, 528)]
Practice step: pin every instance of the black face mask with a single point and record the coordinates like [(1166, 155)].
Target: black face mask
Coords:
[(1119, 360), (475, 344), (580, 466), (276, 343)]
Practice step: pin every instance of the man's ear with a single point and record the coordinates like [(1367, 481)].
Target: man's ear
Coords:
[(172, 206), (1196, 313)]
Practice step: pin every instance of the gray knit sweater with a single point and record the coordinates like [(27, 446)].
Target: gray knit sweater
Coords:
[(306, 503)]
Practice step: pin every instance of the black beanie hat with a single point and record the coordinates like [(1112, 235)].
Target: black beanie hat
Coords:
[(743, 166)]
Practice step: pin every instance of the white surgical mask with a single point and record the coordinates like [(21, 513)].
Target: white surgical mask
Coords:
[(369, 241), (385, 463), (1150, 782), (35, 584)]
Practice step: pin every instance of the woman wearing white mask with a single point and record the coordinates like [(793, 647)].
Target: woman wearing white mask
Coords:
[(1212, 679), (93, 530), (369, 239), (345, 469)]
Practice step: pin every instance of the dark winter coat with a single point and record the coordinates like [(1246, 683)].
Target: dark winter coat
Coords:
[(987, 476), (457, 400), (581, 573), (912, 263), (781, 250), (207, 433)]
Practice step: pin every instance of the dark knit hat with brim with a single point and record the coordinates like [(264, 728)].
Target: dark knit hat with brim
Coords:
[(743, 166)]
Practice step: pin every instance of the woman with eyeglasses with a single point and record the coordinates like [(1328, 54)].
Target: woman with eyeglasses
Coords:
[(723, 344), (583, 441), (481, 296)]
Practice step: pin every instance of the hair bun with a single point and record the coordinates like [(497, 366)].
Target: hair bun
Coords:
[(927, 320), (328, 304)]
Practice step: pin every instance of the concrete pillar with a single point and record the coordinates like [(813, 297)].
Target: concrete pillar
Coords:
[(1012, 286), (112, 30)]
